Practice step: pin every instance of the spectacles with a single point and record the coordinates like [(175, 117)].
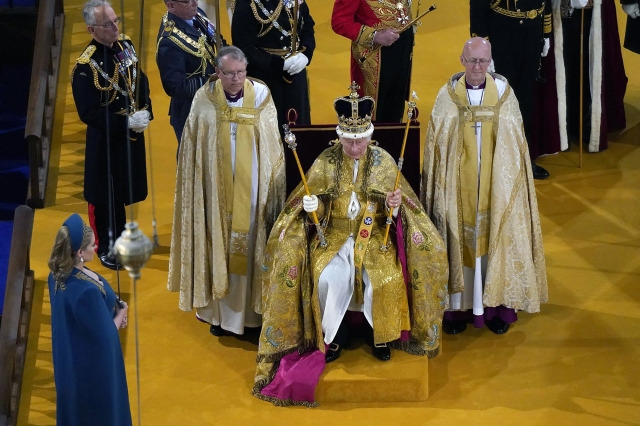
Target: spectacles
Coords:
[(109, 24), (475, 61), (234, 74)]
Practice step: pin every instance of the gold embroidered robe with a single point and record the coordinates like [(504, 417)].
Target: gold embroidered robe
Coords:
[(516, 272), (293, 261), (198, 264)]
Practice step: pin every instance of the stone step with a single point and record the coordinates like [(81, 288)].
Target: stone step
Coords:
[(359, 377)]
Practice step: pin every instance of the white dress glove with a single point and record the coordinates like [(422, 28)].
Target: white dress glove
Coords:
[(545, 48), (633, 10), (300, 63), (310, 203), (579, 4), (139, 120), (288, 62)]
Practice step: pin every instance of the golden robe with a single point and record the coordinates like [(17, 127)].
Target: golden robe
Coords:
[(516, 272), (198, 264), (294, 260)]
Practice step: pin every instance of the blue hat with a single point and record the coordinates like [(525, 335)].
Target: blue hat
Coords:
[(75, 225)]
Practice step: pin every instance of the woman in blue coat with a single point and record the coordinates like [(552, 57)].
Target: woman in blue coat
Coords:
[(88, 366)]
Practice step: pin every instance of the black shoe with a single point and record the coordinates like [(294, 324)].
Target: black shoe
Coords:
[(539, 172), (333, 352), (109, 262), (454, 326), (497, 325), (217, 330), (381, 351)]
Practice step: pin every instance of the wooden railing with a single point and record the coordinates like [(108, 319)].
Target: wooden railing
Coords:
[(44, 83), (16, 316)]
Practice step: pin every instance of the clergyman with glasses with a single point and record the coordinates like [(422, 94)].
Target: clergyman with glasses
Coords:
[(230, 188), (477, 187), (111, 94), (185, 54)]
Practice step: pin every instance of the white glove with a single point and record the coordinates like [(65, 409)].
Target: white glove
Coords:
[(310, 203), (492, 67), (633, 10), (579, 4), (545, 48), (139, 120), (288, 62), (300, 63)]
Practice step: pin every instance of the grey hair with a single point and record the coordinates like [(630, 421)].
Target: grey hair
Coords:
[(89, 10), (233, 53)]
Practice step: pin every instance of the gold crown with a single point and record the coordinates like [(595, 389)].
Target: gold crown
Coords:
[(354, 114)]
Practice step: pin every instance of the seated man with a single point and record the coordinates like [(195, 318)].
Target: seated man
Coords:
[(308, 286), (477, 187)]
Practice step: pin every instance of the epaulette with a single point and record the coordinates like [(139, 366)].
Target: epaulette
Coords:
[(124, 37), (168, 28), (85, 57), (169, 25)]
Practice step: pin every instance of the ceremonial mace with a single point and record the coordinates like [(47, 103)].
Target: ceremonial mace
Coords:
[(133, 248), (412, 106), (290, 139)]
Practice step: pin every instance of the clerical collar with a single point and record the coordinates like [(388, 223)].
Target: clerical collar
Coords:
[(236, 97), (481, 86)]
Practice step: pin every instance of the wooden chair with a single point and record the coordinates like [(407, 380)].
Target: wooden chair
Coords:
[(312, 140)]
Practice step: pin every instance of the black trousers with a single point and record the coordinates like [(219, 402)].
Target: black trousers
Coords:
[(105, 229), (395, 76)]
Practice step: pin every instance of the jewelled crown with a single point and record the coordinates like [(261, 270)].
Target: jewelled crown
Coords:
[(354, 114)]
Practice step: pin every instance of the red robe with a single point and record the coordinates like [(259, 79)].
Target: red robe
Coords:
[(357, 20)]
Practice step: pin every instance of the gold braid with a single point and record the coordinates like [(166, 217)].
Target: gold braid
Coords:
[(275, 15)]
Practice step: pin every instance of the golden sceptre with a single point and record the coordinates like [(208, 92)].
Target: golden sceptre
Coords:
[(412, 105), (290, 139)]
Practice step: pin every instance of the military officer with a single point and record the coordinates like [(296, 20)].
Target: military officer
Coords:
[(185, 54), (519, 34), (381, 51), (263, 30), (111, 94)]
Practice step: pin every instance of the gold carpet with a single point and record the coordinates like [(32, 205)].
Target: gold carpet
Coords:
[(577, 362)]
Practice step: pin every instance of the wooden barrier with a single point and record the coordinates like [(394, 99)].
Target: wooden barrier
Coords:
[(16, 316), (42, 95)]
